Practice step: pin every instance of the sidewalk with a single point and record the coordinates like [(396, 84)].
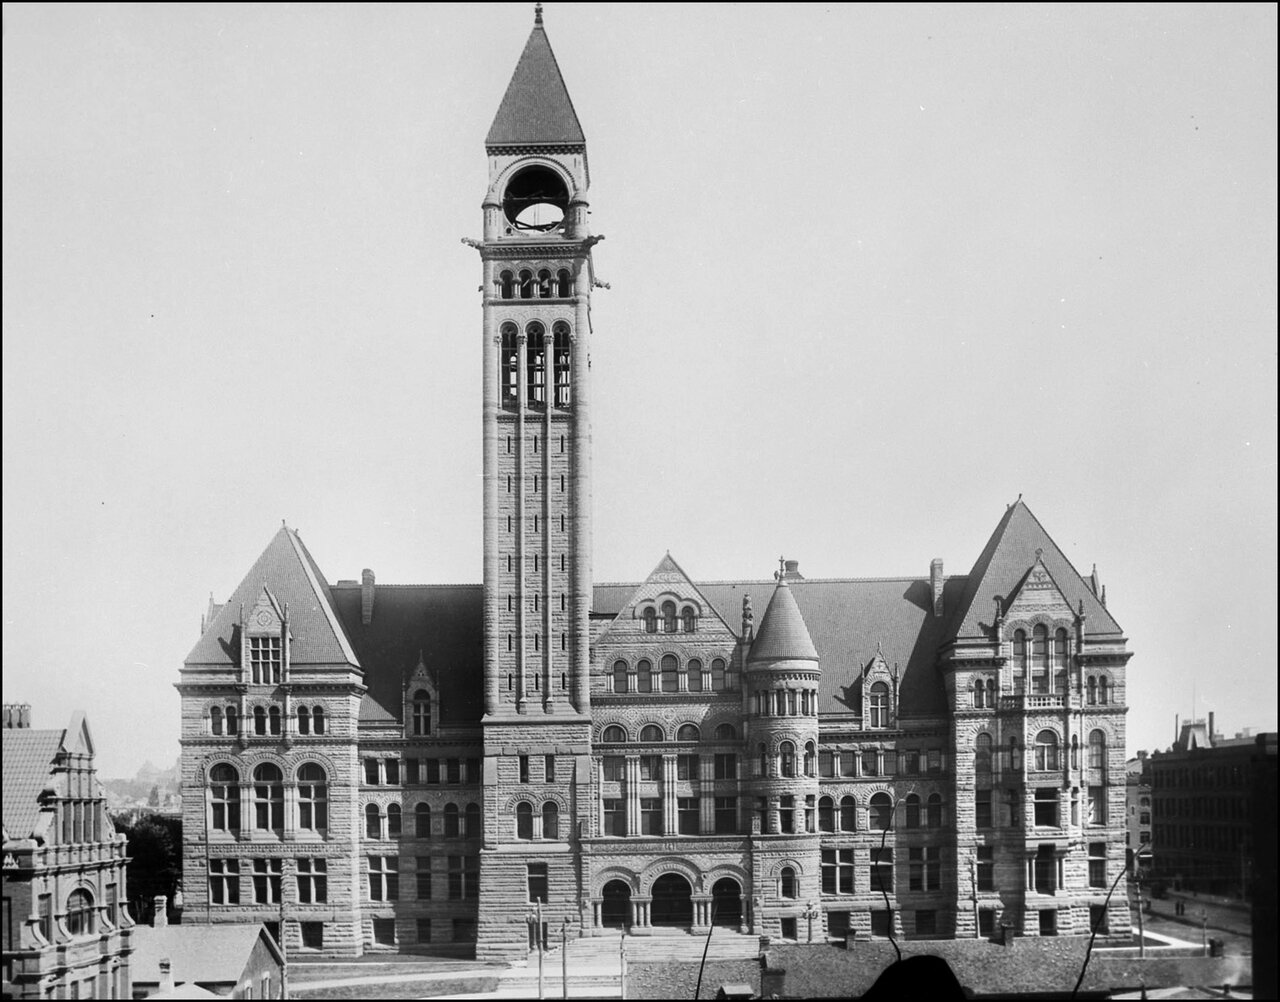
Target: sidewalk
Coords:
[(1230, 918)]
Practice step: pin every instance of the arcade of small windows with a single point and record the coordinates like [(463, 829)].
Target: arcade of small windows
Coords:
[(829, 816), (984, 693), (784, 702), (672, 676), (1097, 690), (550, 821), (544, 284), (537, 360), (267, 721), (685, 622)]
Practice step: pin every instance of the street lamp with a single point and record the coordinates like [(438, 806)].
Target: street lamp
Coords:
[(534, 919), (811, 913), (564, 957)]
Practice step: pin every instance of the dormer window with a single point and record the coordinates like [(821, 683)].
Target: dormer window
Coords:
[(266, 658), (422, 712), (878, 705), (668, 617), (650, 621), (689, 619)]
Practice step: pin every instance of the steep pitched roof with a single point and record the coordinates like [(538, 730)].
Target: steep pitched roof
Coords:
[(536, 110), (28, 768), (290, 574), (783, 635), (212, 954), (1002, 565)]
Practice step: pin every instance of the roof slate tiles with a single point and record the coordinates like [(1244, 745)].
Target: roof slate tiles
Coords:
[(28, 765), (214, 953), (536, 109)]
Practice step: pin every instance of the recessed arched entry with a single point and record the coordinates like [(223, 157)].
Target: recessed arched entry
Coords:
[(615, 905), (672, 901), (726, 902)]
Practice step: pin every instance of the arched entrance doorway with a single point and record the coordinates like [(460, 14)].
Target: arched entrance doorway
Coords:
[(672, 901), (615, 908), (726, 902)]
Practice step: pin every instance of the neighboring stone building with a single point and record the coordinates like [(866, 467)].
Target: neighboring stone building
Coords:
[(66, 931), (1204, 804), (415, 765)]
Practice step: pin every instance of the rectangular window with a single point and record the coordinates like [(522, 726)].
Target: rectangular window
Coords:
[(787, 815), (987, 922), (464, 878), (454, 767), (224, 881), (433, 772), (384, 932), (1098, 919), (411, 772), (650, 816), (837, 871), (726, 766), (615, 817), (826, 763), (911, 762), (615, 768), (1048, 922), (464, 930), (265, 660), (881, 920), (687, 813), (424, 930), (848, 763), (1097, 805), (982, 814), (651, 767), (423, 876), (393, 771), (869, 763), (726, 815), (524, 768), (788, 928), (915, 869), (926, 922), (1045, 870), (312, 935), (312, 880), (881, 870), (549, 768), (1097, 864), (538, 882), (986, 868), (935, 759), (1047, 807), (687, 767), (384, 878), (371, 772)]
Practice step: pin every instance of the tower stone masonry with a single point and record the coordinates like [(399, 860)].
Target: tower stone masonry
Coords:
[(420, 766)]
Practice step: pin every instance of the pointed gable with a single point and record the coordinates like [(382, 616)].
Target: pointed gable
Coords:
[(783, 635), (1037, 594), (291, 579), (1002, 566), (536, 109), (668, 582)]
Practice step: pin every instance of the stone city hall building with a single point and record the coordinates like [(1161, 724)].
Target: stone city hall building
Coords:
[(388, 766)]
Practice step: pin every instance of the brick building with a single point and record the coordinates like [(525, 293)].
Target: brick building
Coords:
[(388, 766), (66, 930)]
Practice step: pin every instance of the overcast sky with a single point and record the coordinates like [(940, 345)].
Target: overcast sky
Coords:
[(875, 271)]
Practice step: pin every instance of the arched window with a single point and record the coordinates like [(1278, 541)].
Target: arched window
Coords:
[(613, 734), (933, 811), (1014, 761), (881, 813), (717, 675), (978, 694), (650, 621), (1046, 750), (507, 285), (810, 759), (422, 821), (1092, 687), (1040, 658), (619, 676), (731, 678), (313, 797), (215, 719), (787, 883), (1060, 649), (764, 760), (526, 284), (1102, 689), (259, 720), (991, 693), (879, 705), (536, 362), (393, 821), (982, 754), (474, 824), (550, 820), (644, 676), (422, 712), (524, 820), (912, 818), (224, 796), (545, 288), (1020, 651), (668, 617), (560, 336), (268, 797), (726, 732), (787, 758), (317, 719), (273, 719), (304, 720), (564, 284), (688, 732), (826, 815), (451, 827), (694, 675), (670, 668), (510, 362), (372, 821), (80, 913), (1097, 749), (848, 814), (652, 734), (689, 619)]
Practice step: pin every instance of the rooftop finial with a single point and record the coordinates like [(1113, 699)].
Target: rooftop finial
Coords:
[(537, 13)]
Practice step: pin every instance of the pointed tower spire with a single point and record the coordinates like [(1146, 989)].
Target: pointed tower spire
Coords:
[(536, 109), (537, 14)]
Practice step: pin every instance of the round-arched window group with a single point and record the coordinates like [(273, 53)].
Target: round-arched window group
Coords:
[(267, 721), (549, 816), (672, 675), (529, 284), (456, 821), (265, 796), (654, 734), (684, 621), (543, 356)]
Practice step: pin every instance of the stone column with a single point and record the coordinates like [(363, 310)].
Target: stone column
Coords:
[(670, 825)]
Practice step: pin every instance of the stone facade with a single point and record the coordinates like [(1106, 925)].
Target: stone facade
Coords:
[(935, 755)]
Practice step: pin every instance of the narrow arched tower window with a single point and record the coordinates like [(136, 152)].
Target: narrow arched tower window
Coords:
[(564, 284), (545, 287), (510, 366), (560, 334), (536, 355), (507, 285)]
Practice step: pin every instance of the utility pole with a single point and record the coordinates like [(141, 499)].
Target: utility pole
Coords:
[(564, 958), (973, 883), (1204, 931), (622, 960), (1142, 939)]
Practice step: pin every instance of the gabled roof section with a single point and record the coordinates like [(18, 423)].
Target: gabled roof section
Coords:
[(536, 110), (783, 635), (213, 954), (669, 578), (291, 577), (28, 769), (1001, 567)]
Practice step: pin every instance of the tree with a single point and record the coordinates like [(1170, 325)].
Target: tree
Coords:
[(153, 798), (155, 861)]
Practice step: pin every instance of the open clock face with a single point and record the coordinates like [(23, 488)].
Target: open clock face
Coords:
[(535, 200)]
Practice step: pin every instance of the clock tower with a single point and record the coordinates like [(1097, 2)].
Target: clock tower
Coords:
[(536, 258)]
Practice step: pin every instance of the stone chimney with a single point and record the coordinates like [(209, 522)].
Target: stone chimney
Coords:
[(366, 596), (166, 975), (935, 584), (791, 570), (17, 715), (1212, 736), (160, 918)]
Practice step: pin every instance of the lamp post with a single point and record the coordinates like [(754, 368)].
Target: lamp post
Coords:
[(811, 913), (564, 957), (622, 964), (1204, 931), (534, 918)]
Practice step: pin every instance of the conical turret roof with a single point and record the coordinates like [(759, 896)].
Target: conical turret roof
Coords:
[(536, 110), (782, 635)]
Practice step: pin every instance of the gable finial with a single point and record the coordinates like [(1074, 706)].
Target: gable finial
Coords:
[(782, 568), (537, 14), (1039, 552)]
